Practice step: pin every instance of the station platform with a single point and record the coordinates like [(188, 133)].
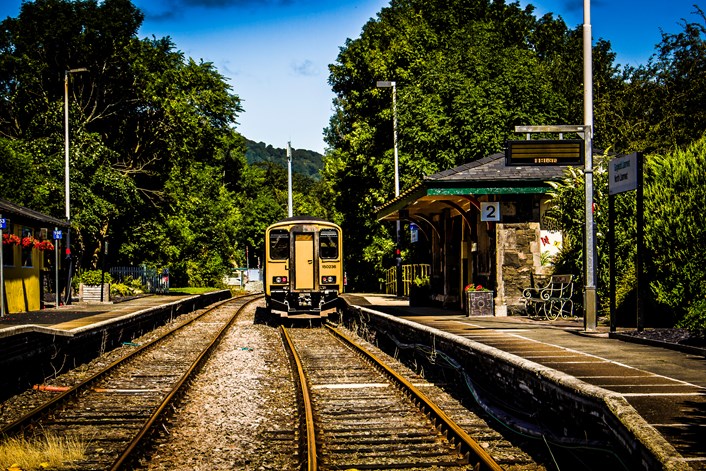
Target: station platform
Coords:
[(667, 388), (80, 315)]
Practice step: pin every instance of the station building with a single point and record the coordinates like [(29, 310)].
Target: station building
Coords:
[(505, 248), (28, 256)]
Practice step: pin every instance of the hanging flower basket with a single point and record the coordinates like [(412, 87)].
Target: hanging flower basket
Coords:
[(44, 245), (28, 242), (10, 239)]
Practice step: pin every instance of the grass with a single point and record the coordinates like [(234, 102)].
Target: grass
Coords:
[(45, 452)]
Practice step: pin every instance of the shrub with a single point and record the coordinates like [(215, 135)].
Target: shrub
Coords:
[(129, 286), (93, 277), (675, 231)]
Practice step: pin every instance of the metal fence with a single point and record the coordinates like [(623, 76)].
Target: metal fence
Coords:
[(409, 273), (154, 281)]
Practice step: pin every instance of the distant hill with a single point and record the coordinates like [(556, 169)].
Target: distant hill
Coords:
[(305, 162)]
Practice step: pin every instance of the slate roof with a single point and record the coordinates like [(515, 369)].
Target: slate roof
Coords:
[(18, 214), (493, 169), (488, 175)]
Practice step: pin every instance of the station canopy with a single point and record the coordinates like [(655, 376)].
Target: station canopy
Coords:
[(458, 189), (21, 215)]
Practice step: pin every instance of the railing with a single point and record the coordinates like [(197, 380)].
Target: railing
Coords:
[(409, 273), (153, 281), (391, 281)]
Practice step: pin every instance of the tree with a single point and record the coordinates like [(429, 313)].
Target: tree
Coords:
[(467, 73), (148, 126), (658, 107)]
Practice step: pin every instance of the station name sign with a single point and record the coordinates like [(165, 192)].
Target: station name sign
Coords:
[(545, 152), (622, 174)]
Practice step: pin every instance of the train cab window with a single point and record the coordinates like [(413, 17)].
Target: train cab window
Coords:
[(279, 244), (328, 244)]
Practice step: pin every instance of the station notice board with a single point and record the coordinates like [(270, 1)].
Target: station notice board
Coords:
[(544, 152)]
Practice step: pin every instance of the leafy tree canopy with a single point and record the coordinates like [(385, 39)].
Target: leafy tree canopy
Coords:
[(151, 131), (466, 73)]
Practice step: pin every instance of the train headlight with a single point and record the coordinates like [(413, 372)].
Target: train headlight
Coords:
[(279, 279), (327, 280)]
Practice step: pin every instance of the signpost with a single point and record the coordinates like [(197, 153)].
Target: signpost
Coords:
[(625, 174), (3, 226), (56, 235), (622, 174), (585, 131), (413, 233)]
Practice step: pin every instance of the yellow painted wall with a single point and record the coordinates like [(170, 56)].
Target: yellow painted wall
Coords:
[(22, 284)]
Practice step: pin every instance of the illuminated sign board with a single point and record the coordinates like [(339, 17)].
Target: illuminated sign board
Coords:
[(544, 152)]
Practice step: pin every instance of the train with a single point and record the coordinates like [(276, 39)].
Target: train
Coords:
[(303, 268)]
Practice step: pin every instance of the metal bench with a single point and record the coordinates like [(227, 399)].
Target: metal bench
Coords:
[(551, 300)]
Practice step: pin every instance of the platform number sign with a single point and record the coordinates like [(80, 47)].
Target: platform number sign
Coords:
[(490, 211), (3, 223)]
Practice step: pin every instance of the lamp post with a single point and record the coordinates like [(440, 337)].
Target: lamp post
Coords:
[(590, 297), (398, 256), (290, 207), (67, 300)]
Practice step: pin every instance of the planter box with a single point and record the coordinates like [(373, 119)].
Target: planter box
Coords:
[(92, 293), (479, 303)]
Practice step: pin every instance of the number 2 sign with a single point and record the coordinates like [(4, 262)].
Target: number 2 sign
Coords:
[(490, 211)]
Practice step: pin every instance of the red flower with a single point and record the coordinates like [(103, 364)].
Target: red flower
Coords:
[(10, 239), (479, 288), (28, 242), (45, 245)]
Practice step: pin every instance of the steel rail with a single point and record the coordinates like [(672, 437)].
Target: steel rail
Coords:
[(438, 416), (178, 388), (35, 414), (312, 464)]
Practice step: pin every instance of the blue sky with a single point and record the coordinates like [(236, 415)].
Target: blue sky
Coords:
[(275, 53)]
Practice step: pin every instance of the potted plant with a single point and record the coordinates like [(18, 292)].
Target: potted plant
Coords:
[(90, 284), (420, 291), (10, 239), (44, 245), (479, 301)]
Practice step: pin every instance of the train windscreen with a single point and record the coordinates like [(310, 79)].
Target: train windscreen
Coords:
[(328, 244), (279, 244)]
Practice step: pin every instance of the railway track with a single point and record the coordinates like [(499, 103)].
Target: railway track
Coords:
[(360, 414), (116, 408)]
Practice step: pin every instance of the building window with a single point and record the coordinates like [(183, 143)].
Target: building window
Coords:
[(27, 251)]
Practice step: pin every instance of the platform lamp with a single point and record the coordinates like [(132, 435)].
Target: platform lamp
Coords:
[(398, 255), (69, 270)]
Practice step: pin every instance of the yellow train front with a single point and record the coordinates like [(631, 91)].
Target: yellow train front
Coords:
[(303, 267)]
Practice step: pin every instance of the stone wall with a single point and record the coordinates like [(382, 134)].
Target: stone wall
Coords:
[(564, 407), (517, 251)]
